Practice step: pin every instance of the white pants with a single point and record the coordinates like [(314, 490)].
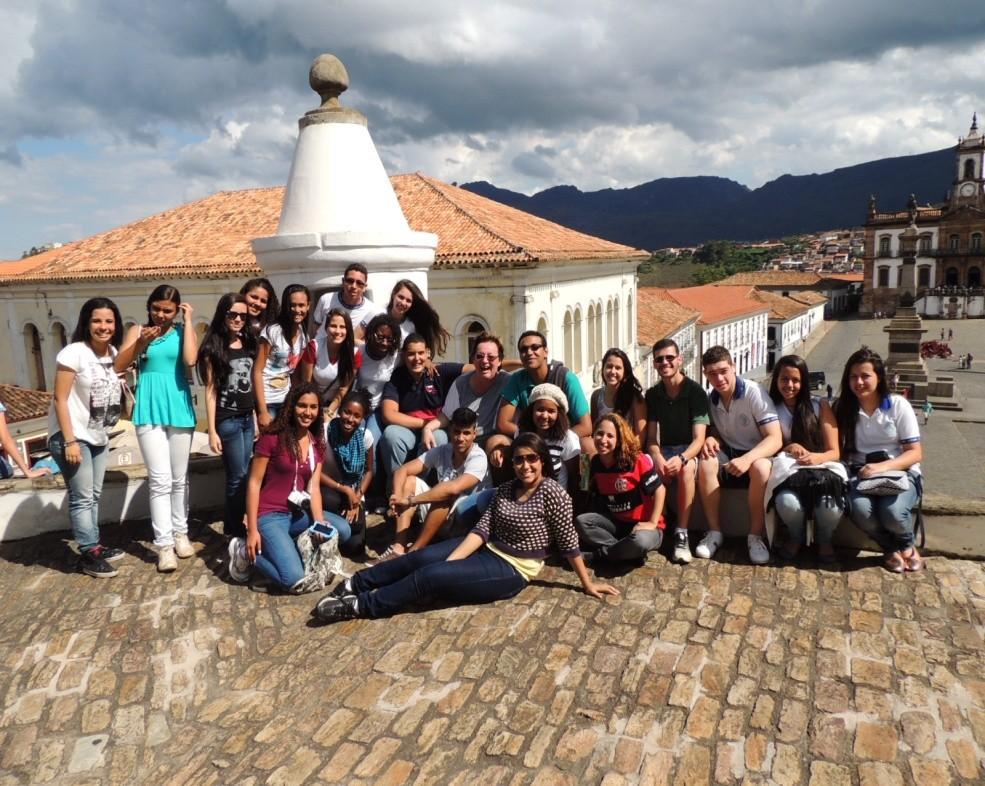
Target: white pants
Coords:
[(166, 450)]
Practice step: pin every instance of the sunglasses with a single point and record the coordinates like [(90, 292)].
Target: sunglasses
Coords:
[(240, 315), (664, 358), (354, 282), (487, 357), (525, 458), (530, 348)]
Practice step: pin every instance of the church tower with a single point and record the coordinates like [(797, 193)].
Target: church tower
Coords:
[(969, 183)]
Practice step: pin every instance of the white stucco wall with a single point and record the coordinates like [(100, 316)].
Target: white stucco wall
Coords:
[(745, 339)]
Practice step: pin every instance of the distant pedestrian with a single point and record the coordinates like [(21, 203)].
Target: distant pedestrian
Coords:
[(942, 334), (950, 333), (895, 382), (830, 392), (927, 409), (960, 361), (967, 360)]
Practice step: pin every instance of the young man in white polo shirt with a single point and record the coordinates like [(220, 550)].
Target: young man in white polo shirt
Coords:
[(352, 298), (745, 433)]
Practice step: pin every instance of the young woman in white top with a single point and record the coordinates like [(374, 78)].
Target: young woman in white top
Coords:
[(620, 393), (85, 406), (279, 353), (333, 362), (414, 314), (879, 433)]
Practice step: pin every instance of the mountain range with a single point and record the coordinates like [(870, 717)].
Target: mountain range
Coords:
[(687, 211)]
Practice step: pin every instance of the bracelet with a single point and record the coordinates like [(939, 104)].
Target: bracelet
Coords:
[(71, 442)]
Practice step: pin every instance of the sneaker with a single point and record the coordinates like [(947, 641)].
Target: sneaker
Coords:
[(331, 609), (391, 553), (758, 553), (239, 563), (108, 554), (94, 564), (182, 546), (709, 545), (166, 560), (342, 590), (682, 551)]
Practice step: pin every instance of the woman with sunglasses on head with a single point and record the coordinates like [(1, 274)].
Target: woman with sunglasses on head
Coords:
[(414, 314), (620, 392), (334, 361), (878, 434), (528, 517), (85, 405), (225, 367), (164, 416), (262, 303), (282, 345)]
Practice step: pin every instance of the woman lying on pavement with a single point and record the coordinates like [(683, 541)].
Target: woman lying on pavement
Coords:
[(504, 551)]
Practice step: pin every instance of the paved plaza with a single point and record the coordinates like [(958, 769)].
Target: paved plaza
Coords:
[(717, 672)]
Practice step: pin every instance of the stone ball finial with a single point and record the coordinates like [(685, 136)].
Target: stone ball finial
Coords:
[(329, 79)]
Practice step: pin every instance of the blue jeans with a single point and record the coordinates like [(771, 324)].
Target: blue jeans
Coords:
[(236, 435), (425, 576), (826, 517), (470, 509), (401, 444), (887, 520), (279, 559), (85, 485)]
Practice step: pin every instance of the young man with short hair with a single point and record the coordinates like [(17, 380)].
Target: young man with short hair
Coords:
[(460, 467), (351, 298), (676, 422), (745, 434)]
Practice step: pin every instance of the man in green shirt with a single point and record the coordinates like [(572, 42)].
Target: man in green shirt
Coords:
[(676, 420)]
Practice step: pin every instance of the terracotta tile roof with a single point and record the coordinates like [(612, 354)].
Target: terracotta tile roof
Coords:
[(717, 303), (20, 266), (477, 232), (659, 315), (211, 238), (780, 307), (807, 297), (24, 403), (775, 278), (850, 277)]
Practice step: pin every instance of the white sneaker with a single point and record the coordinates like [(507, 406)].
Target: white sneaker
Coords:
[(182, 546), (239, 563), (758, 553), (682, 550), (166, 560), (709, 545)]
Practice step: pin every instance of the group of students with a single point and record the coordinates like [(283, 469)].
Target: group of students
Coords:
[(483, 472)]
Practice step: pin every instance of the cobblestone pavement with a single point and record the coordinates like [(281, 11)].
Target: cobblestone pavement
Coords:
[(710, 673)]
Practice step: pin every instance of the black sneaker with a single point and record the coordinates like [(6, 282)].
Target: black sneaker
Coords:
[(341, 591), (93, 564), (108, 554), (331, 609)]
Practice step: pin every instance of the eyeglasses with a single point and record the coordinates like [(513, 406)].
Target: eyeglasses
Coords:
[(531, 348), (384, 338), (525, 458), (354, 282), (487, 357), (240, 315), (664, 358)]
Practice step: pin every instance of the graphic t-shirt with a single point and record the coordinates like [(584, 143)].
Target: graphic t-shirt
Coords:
[(627, 493), (94, 400), (235, 395), (282, 359)]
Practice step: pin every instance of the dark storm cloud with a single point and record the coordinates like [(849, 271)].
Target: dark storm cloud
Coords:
[(533, 165)]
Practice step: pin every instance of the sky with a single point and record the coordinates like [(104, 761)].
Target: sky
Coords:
[(111, 110)]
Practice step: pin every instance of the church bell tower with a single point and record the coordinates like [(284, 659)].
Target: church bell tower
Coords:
[(969, 183)]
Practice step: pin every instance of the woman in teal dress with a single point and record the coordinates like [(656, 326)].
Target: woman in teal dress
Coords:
[(164, 416)]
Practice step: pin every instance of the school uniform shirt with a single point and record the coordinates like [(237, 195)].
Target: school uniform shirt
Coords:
[(750, 408), (629, 494), (360, 315), (373, 375), (94, 398), (676, 416), (485, 407), (282, 359), (518, 389), (476, 464), (424, 397), (284, 473), (891, 426)]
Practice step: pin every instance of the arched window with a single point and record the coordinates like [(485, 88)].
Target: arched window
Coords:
[(951, 277), (472, 332), (598, 350), (569, 339), (579, 321), (925, 241), (976, 241), (883, 277), (610, 322), (466, 332), (953, 242), (35, 360), (590, 335), (630, 337), (58, 336), (614, 338), (884, 246), (923, 276), (542, 328), (975, 277), (969, 169)]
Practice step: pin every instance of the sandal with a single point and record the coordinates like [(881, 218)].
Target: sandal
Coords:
[(914, 562), (894, 562)]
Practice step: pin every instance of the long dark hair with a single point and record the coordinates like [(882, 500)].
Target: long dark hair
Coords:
[(805, 428), (375, 323), (286, 319), (530, 440), (213, 354), (425, 318), (846, 410), (283, 424), (273, 309), (82, 332), (347, 360), (557, 431), (162, 292), (629, 391)]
